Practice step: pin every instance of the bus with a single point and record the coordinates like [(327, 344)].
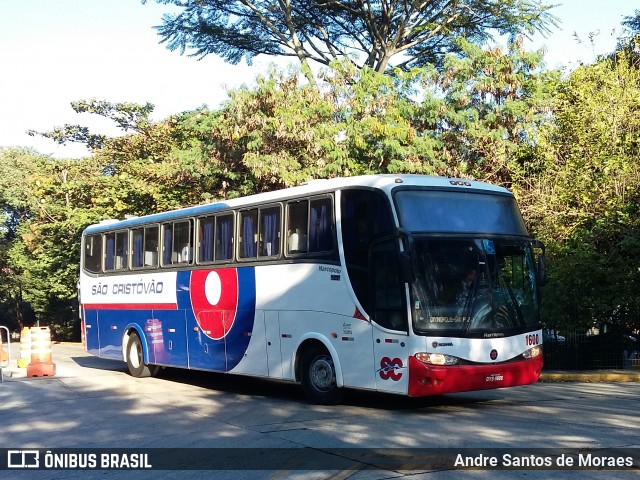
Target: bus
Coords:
[(407, 284)]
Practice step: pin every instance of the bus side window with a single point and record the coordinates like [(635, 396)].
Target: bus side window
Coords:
[(117, 249), (144, 247), (167, 243), (224, 237), (151, 246), (297, 221), (321, 226), (248, 233), (206, 239), (269, 232), (177, 246), (182, 249), (215, 238), (122, 250), (93, 253)]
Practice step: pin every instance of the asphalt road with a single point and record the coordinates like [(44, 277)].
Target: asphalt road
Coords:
[(93, 403)]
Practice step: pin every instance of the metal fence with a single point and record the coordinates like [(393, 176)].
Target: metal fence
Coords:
[(594, 349)]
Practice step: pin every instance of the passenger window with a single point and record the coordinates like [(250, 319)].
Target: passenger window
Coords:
[(310, 226), (215, 238), (269, 232), (177, 246), (320, 225), (297, 222), (93, 253), (248, 234), (224, 237), (145, 247), (117, 249)]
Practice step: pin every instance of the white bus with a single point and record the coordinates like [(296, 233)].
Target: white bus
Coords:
[(406, 284)]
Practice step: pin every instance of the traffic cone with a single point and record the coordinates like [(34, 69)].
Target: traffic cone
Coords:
[(41, 364), (25, 348)]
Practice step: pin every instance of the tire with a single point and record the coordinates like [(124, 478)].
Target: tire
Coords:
[(135, 358), (318, 376)]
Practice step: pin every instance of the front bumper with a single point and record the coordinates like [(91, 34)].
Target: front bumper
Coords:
[(427, 380)]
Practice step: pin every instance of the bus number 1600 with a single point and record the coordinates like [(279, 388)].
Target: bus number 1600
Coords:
[(533, 339)]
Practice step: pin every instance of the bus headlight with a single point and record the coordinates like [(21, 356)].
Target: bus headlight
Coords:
[(533, 352), (436, 358)]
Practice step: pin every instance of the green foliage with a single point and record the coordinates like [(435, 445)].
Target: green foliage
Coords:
[(585, 205), (492, 105)]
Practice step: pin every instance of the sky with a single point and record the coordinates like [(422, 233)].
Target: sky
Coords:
[(54, 52)]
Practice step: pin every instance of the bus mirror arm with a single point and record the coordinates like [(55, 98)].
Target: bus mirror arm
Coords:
[(404, 258), (404, 267), (409, 237)]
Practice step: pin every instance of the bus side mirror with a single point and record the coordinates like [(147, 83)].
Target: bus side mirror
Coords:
[(542, 274), (404, 267)]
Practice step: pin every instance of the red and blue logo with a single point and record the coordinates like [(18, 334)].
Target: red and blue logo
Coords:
[(214, 299), (389, 369), (223, 303)]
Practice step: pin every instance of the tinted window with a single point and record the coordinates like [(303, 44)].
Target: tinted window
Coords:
[(310, 226), (144, 247), (93, 253), (366, 215), (216, 238), (117, 249), (177, 247), (458, 212)]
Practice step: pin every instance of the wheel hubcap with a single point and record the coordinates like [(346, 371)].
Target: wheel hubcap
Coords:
[(322, 374), (135, 355)]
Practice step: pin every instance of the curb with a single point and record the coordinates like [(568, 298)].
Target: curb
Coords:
[(596, 376)]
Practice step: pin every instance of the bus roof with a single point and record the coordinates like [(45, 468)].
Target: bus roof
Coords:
[(386, 183)]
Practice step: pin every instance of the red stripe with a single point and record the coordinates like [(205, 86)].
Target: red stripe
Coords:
[(130, 306)]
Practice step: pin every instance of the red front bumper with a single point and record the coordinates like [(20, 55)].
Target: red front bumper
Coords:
[(437, 380)]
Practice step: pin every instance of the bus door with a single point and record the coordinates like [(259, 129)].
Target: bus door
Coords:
[(272, 334), (389, 318)]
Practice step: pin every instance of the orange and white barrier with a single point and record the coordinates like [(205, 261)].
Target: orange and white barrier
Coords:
[(5, 355), (25, 348), (41, 364)]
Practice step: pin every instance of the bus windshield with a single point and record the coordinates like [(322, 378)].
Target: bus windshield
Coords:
[(473, 286)]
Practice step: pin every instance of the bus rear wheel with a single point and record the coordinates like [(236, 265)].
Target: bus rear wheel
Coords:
[(135, 359), (318, 376)]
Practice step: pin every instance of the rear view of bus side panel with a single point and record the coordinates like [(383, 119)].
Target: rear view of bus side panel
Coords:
[(91, 331)]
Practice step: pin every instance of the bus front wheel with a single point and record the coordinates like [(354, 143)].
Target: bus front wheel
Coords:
[(318, 376), (135, 359)]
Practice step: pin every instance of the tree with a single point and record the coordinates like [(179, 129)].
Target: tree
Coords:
[(415, 32), (585, 203), (492, 104)]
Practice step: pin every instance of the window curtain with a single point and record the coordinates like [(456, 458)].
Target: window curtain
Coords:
[(324, 235), (313, 230), (248, 245), (225, 241), (270, 234), (123, 250), (109, 261), (206, 246), (168, 242), (138, 249), (320, 229)]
